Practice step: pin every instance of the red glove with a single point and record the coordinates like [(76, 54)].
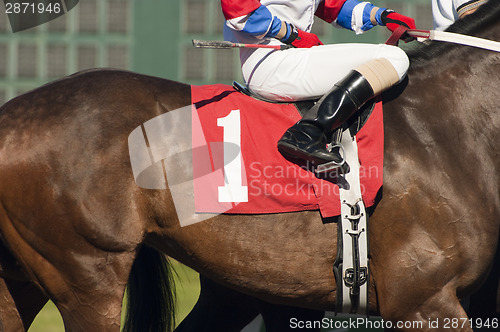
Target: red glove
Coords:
[(301, 39), (393, 20)]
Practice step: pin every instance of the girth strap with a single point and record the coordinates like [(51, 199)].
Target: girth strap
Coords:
[(351, 264)]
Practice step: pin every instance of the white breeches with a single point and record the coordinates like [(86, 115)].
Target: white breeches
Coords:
[(307, 73)]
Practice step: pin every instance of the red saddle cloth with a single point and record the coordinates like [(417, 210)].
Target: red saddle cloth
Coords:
[(237, 168)]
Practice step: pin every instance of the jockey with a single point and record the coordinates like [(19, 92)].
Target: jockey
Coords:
[(445, 12), (357, 72)]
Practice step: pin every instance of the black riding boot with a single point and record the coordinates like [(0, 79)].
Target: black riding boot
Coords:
[(307, 140)]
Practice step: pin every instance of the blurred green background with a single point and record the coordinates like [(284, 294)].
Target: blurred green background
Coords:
[(147, 36)]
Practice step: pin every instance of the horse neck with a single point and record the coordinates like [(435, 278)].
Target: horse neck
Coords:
[(446, 123), (457, 87)]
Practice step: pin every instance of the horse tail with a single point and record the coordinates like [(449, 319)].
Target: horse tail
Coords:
[(150, 293)]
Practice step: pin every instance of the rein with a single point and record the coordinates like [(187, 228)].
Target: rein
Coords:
[(443, 36)]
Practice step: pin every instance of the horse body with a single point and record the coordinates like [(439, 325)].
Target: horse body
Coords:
[(231, 243), (73, 220)]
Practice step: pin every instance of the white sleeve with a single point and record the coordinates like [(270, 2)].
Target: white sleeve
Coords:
[(444, 13)]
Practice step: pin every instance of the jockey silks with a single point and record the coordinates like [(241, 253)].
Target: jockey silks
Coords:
[(298, 74)]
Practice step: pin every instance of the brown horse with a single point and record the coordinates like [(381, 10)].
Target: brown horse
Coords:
[(74, 225)]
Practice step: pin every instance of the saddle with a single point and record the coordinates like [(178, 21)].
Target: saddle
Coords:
[(354, 124)]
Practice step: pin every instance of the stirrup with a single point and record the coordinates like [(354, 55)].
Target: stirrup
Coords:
[(331, 166)]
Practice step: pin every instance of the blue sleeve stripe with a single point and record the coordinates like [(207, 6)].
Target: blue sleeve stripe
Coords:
[(355, 15), (378, 15), (262, 23), (275, 27), (366, 13), (367, 23), (344, 19)]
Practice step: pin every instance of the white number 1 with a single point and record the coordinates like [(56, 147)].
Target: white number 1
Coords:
[(233, 191)]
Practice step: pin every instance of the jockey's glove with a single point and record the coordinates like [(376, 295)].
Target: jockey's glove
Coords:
[(393, 20), (299, 38)]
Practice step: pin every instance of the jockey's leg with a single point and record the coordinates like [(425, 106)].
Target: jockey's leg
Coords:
[(307, 140)]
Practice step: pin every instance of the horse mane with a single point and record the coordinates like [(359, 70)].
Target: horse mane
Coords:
[(486, 15)]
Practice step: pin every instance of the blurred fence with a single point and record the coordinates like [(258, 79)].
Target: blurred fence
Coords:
[(148, 36)]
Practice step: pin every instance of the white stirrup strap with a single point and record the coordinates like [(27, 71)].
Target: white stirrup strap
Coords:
[(354, 272)]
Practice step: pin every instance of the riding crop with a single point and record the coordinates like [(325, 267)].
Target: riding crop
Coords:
[(226, 44)]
